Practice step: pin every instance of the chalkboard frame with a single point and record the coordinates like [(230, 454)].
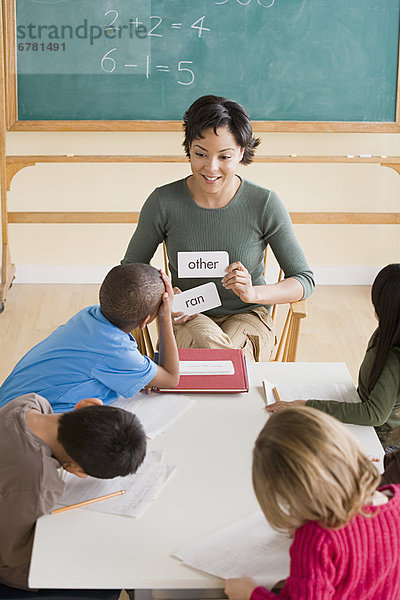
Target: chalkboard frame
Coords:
[(14, 124)]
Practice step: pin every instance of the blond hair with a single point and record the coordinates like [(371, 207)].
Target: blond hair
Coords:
[(308, 467)]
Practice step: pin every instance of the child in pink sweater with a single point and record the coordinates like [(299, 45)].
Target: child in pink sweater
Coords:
[(313, 481)]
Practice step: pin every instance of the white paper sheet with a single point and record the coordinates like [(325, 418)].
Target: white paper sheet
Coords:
[(308, 391), (249, 546), (141, 488), (156, 411)]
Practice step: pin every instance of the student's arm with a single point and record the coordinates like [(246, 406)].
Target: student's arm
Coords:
[(313, 571), (241, 588), (245, 588), (168, 369), (375, 408), (19, 512)]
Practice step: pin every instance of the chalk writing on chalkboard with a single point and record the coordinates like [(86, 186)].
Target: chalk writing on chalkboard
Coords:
[(284, 60), (263, 3), (115, 27)]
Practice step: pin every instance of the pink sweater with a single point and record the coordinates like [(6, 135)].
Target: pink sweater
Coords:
[(360, 561)]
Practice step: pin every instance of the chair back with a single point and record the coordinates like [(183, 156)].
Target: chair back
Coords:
[(287, 320)]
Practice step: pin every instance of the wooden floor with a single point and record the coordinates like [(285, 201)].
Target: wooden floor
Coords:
[(339, 323)]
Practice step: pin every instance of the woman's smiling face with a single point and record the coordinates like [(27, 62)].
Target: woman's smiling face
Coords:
[(214, 159)]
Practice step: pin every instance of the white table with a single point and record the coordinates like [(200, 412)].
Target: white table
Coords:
[(211, 445)]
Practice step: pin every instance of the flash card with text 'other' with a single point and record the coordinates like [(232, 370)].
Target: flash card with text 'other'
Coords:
[(202, 264)]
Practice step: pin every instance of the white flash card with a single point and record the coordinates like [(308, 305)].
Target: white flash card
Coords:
[(206, 367), (202, 264), (268, 392), (197, 300)]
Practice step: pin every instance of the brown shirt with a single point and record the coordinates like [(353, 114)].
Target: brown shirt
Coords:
[(29, 486)]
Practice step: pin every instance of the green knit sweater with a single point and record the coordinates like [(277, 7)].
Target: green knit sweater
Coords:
[(253, 219), (379, 408)]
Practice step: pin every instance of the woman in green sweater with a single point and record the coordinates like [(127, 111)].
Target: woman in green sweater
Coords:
[(379, 376), (216, 210)]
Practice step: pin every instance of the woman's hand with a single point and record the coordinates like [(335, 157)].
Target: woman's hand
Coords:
[(239, 588), (179, 317), (282, 405), (238, 279)]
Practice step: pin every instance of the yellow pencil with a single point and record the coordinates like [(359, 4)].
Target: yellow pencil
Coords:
[(276, 394), (58, 510)]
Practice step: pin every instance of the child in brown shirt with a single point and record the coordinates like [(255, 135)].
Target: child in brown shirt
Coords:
[(34, 443)]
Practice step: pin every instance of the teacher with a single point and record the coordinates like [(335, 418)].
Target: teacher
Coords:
[(214, 209)]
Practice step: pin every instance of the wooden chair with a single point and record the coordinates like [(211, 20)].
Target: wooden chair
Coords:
[(287, 326)]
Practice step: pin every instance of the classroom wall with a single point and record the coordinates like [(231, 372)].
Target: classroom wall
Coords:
[(83, 253)]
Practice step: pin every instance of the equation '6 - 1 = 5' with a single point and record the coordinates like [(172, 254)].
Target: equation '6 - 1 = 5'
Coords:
[(108, 64)]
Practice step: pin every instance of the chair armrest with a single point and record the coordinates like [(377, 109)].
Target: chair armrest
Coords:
[(299, 309)]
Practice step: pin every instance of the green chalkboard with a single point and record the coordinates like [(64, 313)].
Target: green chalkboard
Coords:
[(284, 60)]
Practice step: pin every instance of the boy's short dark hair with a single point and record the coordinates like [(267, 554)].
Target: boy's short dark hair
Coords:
[(129, 293), (216, 111), (105, 441)]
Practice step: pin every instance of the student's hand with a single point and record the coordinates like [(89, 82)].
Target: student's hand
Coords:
[(239, 588), (282, 405), (164, 310), (179, 317), (238, 279), (375, 459)]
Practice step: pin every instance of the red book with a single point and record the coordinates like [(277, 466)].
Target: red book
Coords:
[(211, 370)]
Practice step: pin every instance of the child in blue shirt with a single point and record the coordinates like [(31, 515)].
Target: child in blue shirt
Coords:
[(94, 355)]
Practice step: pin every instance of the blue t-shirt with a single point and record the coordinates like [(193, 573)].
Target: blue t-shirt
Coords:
[(88, 357)]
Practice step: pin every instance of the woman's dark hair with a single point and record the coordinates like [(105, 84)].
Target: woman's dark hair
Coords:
[(385, 295), (105, 441), (215, 111)]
